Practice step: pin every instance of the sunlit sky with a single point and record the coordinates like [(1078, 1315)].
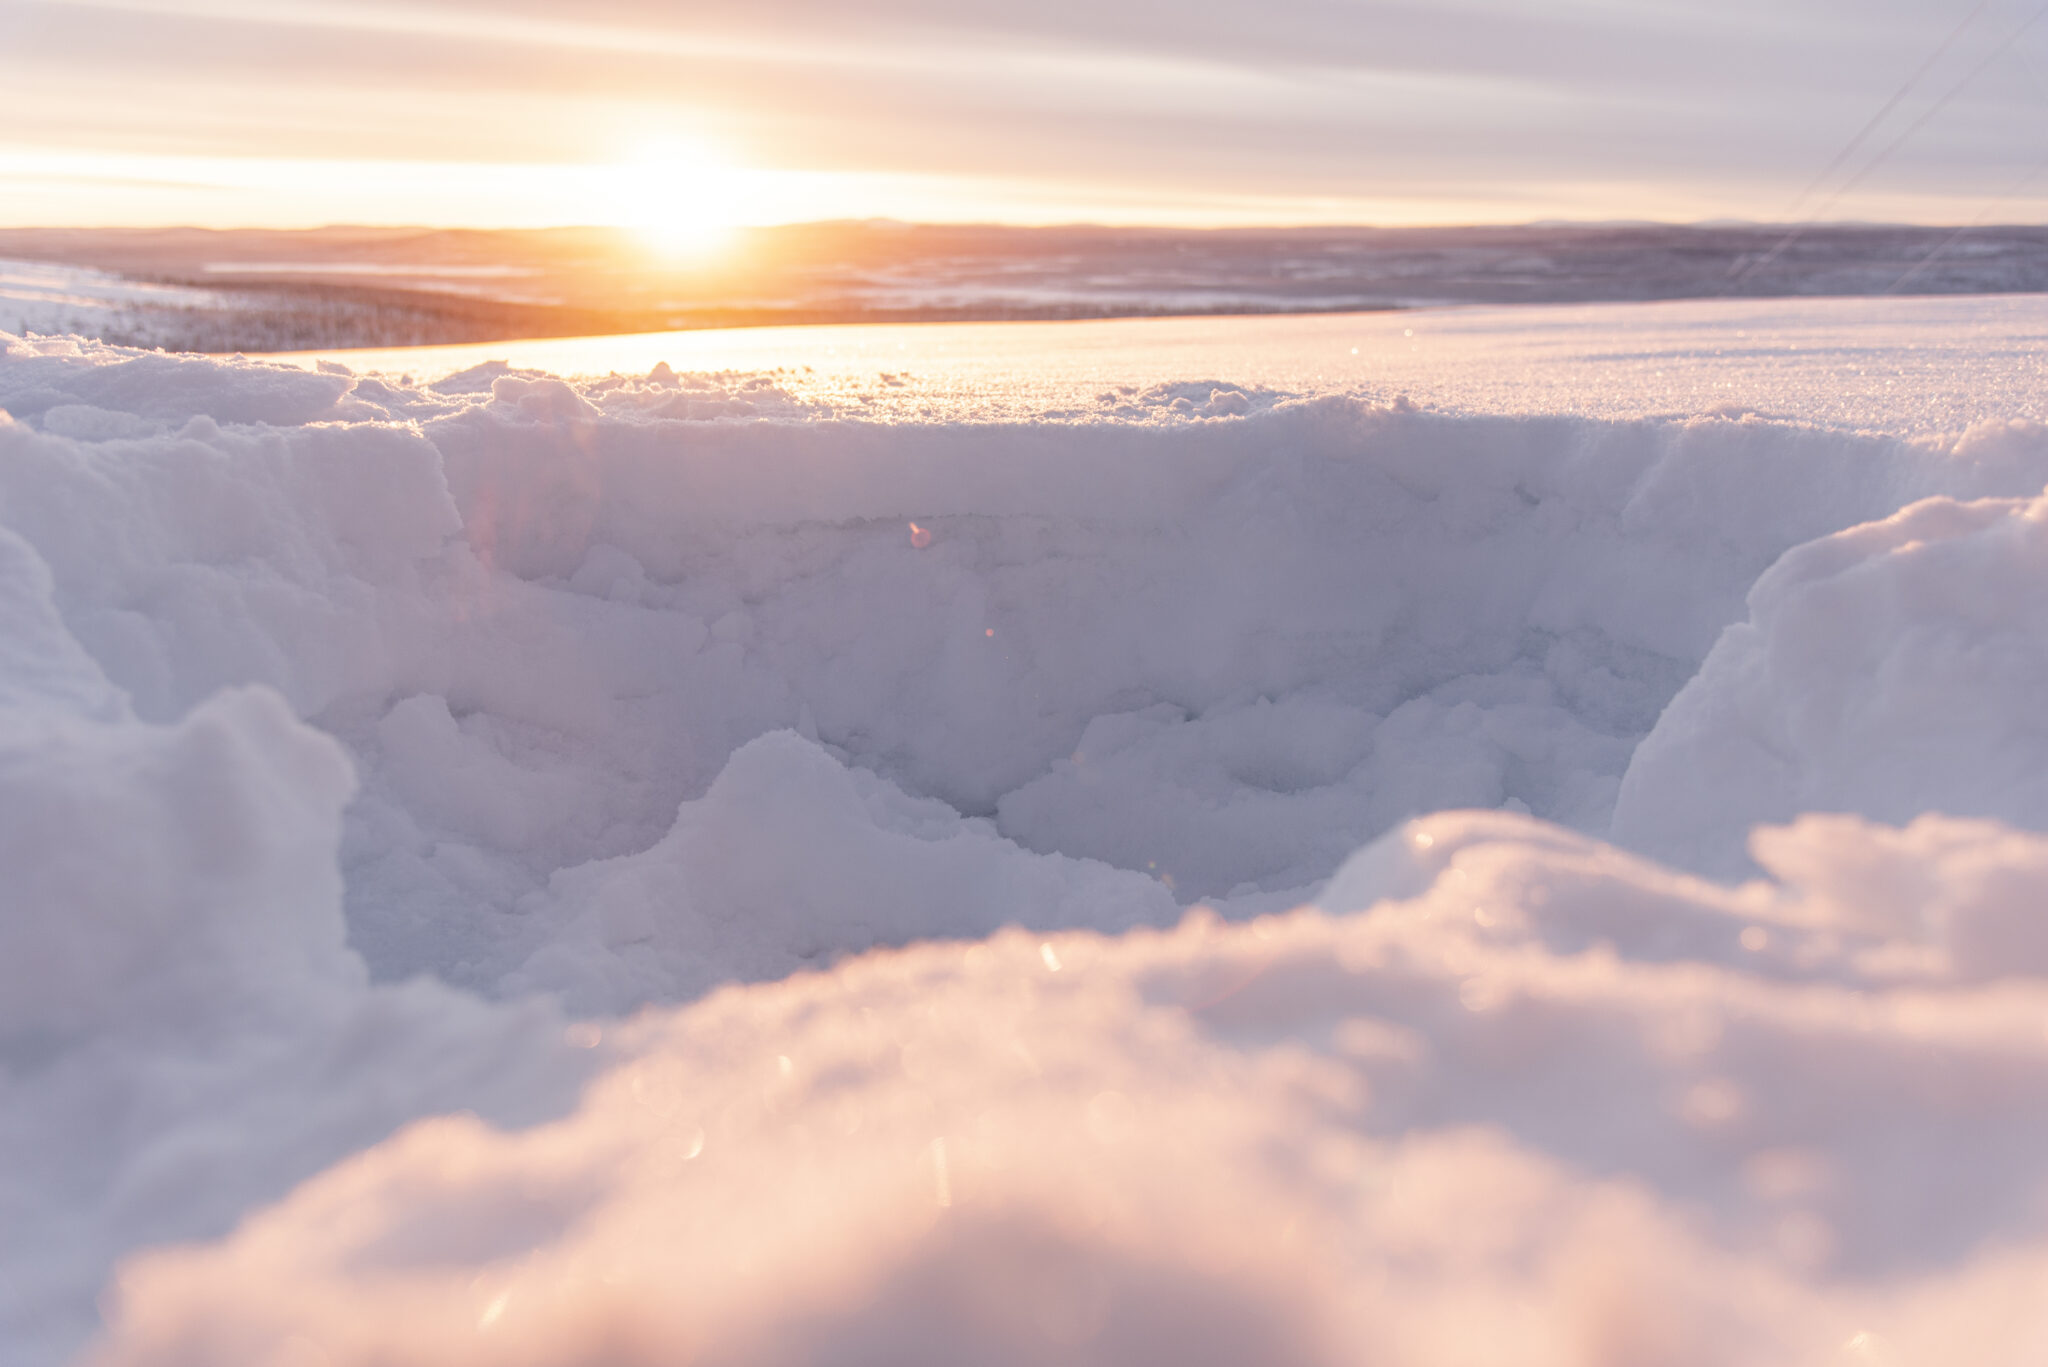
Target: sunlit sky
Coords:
[(715, 112)]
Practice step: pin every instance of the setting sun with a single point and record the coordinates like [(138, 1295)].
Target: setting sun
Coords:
[(679, 197)]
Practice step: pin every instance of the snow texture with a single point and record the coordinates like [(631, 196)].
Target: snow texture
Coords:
[(1929, 367), (658, 869)]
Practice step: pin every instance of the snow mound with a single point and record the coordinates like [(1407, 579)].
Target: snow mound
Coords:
[(1888, 669), (791, 855), (183, 1031), (1222, 652), (1555, 1104), (370, 750)]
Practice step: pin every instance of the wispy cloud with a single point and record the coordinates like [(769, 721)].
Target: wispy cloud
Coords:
[(1488, 108)]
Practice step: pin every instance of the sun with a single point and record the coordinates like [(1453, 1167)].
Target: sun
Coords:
[(677, 195)]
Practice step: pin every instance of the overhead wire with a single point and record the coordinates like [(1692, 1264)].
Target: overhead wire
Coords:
[(1928, 113), (1870, 126), (1942, 246), (1747, 268), (2012, 191)]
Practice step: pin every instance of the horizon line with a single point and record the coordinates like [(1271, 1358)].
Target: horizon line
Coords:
[(1096, 225)]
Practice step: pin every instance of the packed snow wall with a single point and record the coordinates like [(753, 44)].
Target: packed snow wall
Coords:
[(371, 747)]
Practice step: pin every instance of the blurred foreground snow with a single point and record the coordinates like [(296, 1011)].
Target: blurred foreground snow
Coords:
[(372, 752)]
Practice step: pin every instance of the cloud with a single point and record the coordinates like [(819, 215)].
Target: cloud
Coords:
[(1730, 112)]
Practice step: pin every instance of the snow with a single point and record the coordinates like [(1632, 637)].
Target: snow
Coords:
[(1908, 367), (701, 867), (44, 297), (1887, 669), (1548, 1106)]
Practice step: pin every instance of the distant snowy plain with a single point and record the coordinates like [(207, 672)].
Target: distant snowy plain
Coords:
[(1474, 837)]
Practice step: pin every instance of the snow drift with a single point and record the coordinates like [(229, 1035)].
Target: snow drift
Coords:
[(1887, 669), (1555, 1104), (369, 749)]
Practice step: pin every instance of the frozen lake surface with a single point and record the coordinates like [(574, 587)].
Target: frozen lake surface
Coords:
[(1431, 838)]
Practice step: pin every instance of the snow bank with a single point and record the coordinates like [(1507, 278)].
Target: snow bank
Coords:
[(183, 1030), (1890, 669), (368, 750), (1223, 650)]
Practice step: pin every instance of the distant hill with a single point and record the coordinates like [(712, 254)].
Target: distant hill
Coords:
[(268, 290)]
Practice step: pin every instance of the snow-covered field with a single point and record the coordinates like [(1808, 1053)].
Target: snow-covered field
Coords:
[(1906, 367), (1141, 842), (46, 297)]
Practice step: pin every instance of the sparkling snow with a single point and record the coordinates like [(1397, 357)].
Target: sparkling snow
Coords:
[(1902, 366)]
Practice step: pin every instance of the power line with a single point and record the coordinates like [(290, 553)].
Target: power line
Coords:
[(1924, 262), (1889, 105), (1799, 230), (2041, 90), (1935, 108)]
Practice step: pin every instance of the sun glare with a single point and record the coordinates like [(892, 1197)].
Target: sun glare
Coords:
[(679, 197)]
